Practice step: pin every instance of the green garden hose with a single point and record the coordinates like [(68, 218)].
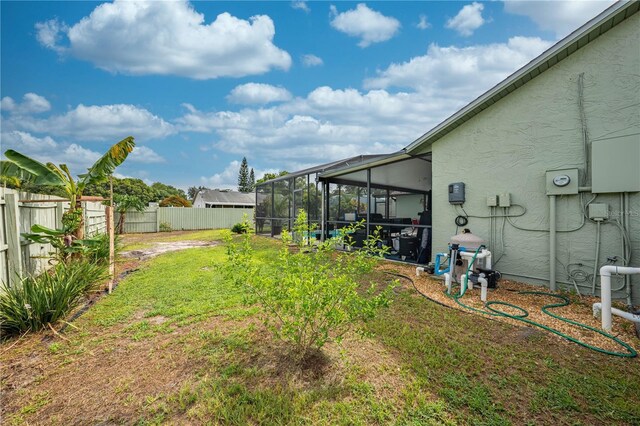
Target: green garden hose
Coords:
[(630, 352)]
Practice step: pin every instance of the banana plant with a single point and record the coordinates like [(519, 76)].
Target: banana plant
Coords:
[(19, 166)]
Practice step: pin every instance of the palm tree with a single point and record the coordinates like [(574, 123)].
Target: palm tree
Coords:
[(25, 168), (126, 203)]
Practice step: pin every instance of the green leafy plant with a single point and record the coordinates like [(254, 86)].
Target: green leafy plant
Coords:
[(311, 295), (94, 249), (19, 166), (125, 203), (243, 227), (165, 227), (37, 301)]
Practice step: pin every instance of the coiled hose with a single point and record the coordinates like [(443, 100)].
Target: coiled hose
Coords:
[(630, 352)]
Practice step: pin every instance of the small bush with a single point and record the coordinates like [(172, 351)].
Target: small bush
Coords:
[(165, 227), (36, 301), (313, 294), (243, 227)]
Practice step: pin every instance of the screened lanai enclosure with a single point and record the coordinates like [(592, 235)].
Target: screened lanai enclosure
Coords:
[(390, 193)]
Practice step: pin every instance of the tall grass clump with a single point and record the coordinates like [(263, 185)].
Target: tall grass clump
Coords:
[(44, 299)]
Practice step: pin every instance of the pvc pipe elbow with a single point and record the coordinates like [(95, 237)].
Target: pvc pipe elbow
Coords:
[(607, 270), (419, 269)]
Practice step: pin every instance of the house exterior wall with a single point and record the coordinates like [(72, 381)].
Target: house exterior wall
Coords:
[(509, 146), (198, 202)]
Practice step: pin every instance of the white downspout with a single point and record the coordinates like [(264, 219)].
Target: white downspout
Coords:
[(605, 291)]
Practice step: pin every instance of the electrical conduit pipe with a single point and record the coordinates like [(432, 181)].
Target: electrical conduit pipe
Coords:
[(605, 292)]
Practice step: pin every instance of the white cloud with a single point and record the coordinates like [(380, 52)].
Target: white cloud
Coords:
[(312, 60), (45, 149), (301, 5), (143, 154), (460, 73), (168, 38), (31, 104), (258, 93), (467, 20), (49, 33), (423, 24), (26, 142), (228, 178), (367, 24), (82, 155), (94, 123), (561, 16)]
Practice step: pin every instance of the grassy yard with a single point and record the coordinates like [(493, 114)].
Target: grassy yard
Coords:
[(174, 344)]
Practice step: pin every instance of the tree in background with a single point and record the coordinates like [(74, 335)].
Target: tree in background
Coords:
[(252, 180), (163, 191), (175, 201), (126, 203), (243, 177), (27, 169), (269, 176), (193, 191)]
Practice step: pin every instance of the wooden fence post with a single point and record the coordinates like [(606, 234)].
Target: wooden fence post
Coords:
[(111, 231), (14, 252), (59, 213)]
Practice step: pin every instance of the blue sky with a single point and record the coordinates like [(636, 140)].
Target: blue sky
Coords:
[(286, 84)]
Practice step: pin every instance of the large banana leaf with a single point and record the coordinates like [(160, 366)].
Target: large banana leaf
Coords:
[(109, 161), (25, 166)]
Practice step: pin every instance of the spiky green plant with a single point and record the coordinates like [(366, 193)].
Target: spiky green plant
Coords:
[(44, 299)]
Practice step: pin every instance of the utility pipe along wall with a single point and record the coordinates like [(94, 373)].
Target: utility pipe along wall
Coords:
[(509, 147)]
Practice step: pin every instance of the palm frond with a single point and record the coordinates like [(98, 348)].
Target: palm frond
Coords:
[(41, 174), (109, 161)]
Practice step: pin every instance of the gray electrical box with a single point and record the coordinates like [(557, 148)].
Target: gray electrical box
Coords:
[(505, 199), (492, 201), (615, 165), (562, 182), (598, 211), (456, 193)]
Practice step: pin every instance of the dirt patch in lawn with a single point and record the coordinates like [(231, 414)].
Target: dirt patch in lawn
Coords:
[(161, 248)]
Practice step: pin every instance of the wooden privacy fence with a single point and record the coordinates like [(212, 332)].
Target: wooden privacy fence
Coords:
[(18, 256), (182, 218)]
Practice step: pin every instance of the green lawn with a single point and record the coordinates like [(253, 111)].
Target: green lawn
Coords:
[(174, 344)]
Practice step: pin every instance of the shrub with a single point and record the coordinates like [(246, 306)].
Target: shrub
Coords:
[(242, 227), (37, 301), (312, 295), (175, 201), (165, 227)]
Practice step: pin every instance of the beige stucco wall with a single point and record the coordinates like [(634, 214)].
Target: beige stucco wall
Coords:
[(510, 146)]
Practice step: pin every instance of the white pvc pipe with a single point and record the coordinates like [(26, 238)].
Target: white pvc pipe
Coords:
[(605, 290), (597, 307), (484, 285), (419, 269), (464, 282), (447, 280)]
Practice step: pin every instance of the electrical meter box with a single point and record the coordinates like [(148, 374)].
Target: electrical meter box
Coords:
[(456, 193), (614, 165), (562, 182)]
